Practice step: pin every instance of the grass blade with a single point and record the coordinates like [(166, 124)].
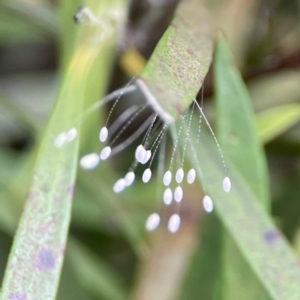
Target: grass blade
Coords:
[(36, 258), (275, 121), (261, 244), (39, 244), (180, 61), (94, 274), (236, 124), (252, 253), (238, 137)]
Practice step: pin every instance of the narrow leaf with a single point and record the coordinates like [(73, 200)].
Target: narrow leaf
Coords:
[(275, 121), (236, 123), (174, 73), (36, 258), (255, 234), (94, 274), (239, 140)]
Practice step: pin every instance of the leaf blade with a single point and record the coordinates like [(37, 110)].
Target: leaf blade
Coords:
[(275, 121), (236, 131), (257, 238), (36, 258)]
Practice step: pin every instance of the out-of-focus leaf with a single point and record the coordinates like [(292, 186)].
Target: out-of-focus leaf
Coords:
[(13, 112), (236, 124), (275, 89), (261, 244), (69, 285), (14, 182), (203, 278), (275, 121), (162, 273), (239, 141), (29, 97), (39, 244), (121, 216), (243, 13), (286, 205), (251, 250), (23, 21), (67, 36), (94, 274)]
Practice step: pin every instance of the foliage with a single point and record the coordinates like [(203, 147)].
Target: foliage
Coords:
[(239, 251)]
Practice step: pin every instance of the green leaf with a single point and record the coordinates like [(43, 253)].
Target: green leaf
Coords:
[(274, 89), (108, 201), (236, 124), (13, 186), (39, 244), (262, 246), (40, 241), (94, 274), (175, 71), (240, 143), (274, 121), (27, 22), (69, 285), (251, 259)]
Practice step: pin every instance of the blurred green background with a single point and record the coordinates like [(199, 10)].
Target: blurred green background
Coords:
[(109, 255)]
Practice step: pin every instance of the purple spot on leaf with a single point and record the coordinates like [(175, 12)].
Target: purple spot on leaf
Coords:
[(17, 296), (45, 260), (271, 236), (191, 51)]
